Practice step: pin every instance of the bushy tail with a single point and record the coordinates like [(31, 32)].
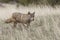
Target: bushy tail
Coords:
[(9, 20)]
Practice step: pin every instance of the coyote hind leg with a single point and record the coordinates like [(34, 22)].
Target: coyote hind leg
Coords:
[(15, 24)]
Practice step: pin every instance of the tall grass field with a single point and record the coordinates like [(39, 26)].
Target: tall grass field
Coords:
[(46, 24)]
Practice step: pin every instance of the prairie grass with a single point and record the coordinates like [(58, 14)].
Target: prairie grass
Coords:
[(43, 28), (46, 25)]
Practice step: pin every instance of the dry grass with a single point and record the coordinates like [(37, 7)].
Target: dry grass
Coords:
[(43, 28), (46, 25)]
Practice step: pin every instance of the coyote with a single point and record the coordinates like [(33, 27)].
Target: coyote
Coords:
[(21, 18)]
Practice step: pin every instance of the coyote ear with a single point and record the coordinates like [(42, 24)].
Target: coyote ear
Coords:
[(28, 12), (33, 12)]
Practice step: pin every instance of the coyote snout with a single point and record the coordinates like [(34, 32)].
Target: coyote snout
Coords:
[(21, 18)]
